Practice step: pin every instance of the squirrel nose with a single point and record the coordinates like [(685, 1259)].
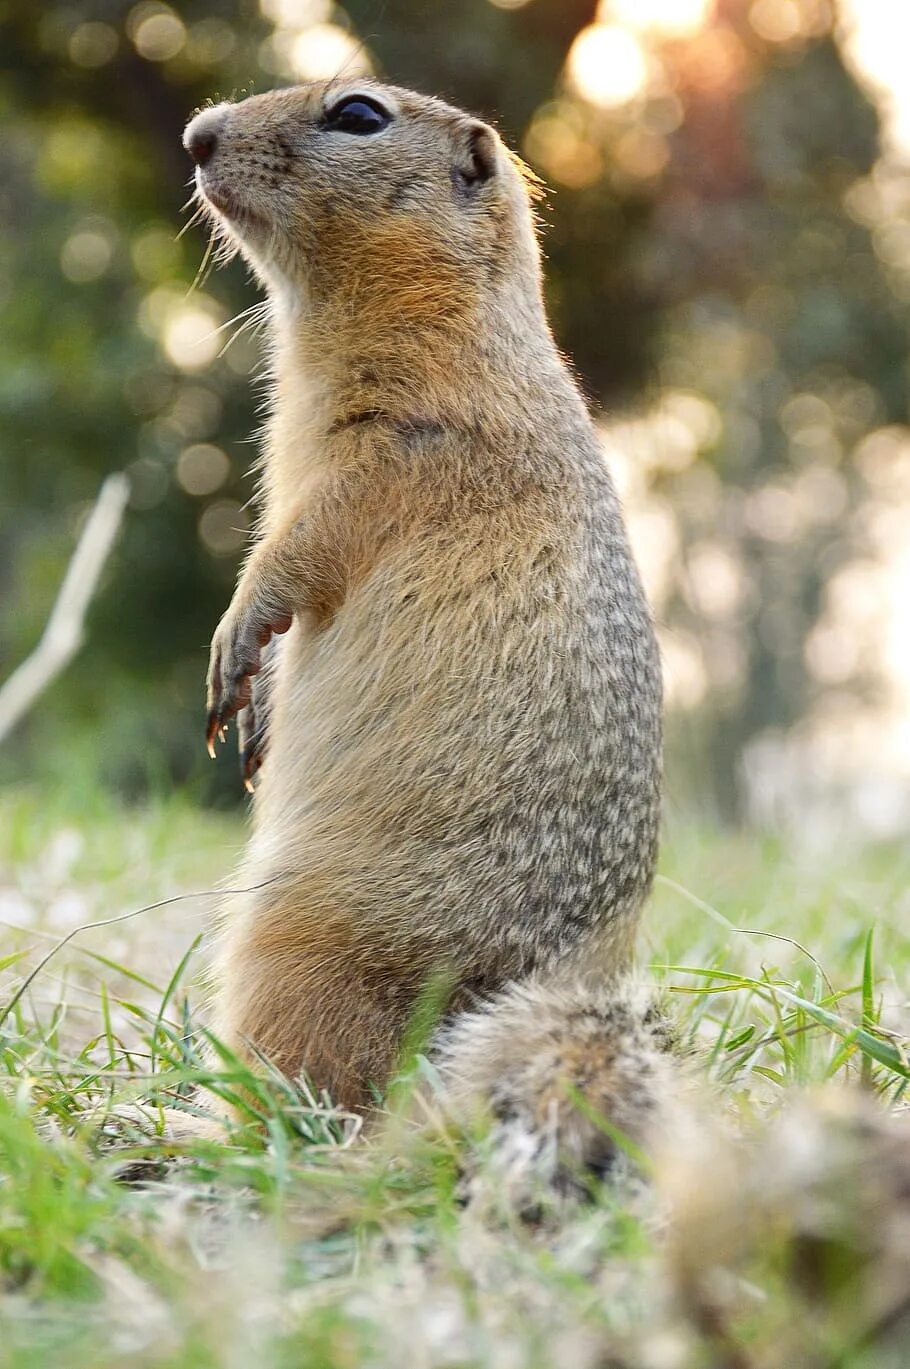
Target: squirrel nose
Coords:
[(200, 145), (202, 134)]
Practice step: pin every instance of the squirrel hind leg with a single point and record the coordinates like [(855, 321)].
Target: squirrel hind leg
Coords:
[(576, 1078)]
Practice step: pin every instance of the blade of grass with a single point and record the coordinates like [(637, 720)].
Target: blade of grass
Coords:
[(869, 1016), (882, 1051), (166, 997)]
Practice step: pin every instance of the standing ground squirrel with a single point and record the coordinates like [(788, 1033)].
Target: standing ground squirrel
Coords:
[(459, 728)]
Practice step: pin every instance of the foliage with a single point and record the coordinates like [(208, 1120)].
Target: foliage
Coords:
[(722, 267), (308, 1246)]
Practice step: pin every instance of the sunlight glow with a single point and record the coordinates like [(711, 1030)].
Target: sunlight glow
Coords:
[(897, 634), (189, 338), (876, 40), (777, 21), (325, 51), (665, 18), (185, 328), (296, 14), (685, 677), (557, 144), (607, 65)]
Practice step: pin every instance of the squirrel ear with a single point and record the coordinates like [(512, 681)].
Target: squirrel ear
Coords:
[(477, 155)]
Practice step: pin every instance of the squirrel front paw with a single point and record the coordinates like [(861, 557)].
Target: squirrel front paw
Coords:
[(252, 734), (236, 656)]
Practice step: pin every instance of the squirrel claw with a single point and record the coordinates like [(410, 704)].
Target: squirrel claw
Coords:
[(250, 763), (212, 732), (236, 657), (252, 730), (215, 729)]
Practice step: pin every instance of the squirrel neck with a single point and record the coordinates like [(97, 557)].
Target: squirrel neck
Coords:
[(334, 366)]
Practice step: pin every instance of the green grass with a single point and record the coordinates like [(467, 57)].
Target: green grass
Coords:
[(300, 1245)]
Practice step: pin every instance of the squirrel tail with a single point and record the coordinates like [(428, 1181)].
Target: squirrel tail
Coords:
[(575, 1075)]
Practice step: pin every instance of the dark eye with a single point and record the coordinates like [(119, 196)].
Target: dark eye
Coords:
[(357, 114)]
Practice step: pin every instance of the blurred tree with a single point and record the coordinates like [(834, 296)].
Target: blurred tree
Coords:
[(777, 310), (707, 272), (98, 368)]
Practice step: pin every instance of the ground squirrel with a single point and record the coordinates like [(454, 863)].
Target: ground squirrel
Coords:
[(459, 727)]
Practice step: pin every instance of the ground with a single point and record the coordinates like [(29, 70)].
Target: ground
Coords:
[(774, 1230)]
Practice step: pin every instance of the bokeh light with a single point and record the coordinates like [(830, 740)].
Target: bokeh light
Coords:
[(186, 327), (876, 37), (202, 468), (558, 143), (296, 14), (224, 527), (325, 51), (778, 21), (87, 252), (155, 253), (93, 44), (157, 31), (667, 18), (190, 336), (209, 42), (607, 65)]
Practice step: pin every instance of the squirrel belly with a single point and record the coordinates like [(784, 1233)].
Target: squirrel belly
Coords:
[(439, 652)]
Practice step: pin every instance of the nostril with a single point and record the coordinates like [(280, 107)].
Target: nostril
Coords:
[(201, 145)]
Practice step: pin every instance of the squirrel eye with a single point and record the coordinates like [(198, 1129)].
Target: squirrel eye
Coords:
[(357, 114)]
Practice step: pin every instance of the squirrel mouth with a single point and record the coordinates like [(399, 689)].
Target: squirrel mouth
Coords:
[(227, 203)]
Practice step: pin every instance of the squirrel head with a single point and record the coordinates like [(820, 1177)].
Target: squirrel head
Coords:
[(366, 201)]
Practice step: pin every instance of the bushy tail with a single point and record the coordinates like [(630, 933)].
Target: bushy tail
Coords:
[(574, 1073)]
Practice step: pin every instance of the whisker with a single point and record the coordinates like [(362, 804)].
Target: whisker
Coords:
[(199, 278), (255, 317), (199, 213), (259, 306)]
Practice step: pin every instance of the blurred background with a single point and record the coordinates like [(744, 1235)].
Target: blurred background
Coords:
[(728, 247)]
